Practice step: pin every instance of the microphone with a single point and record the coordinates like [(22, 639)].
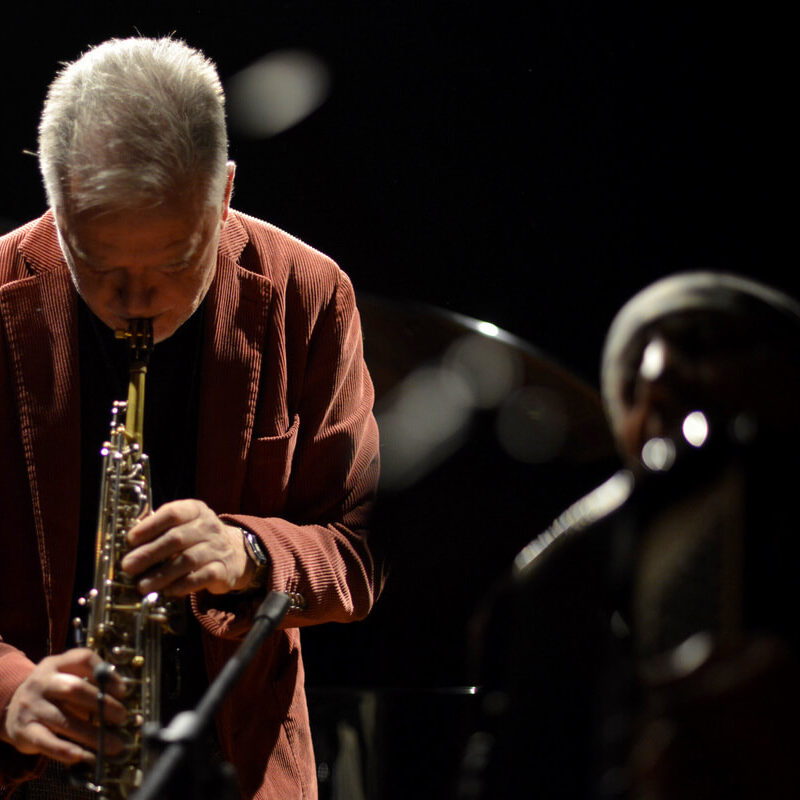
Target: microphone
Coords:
[(186, 728)]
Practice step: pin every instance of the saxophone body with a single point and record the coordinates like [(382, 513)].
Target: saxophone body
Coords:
[(124, 628)]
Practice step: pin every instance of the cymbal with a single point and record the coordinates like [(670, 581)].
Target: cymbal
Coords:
[(484, 440), (544, 411)]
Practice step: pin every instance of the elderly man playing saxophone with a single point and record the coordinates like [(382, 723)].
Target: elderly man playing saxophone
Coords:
[(258, 420)]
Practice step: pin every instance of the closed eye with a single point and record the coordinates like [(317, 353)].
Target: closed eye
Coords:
[(176, 267)]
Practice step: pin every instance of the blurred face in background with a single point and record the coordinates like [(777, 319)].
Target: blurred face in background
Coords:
[(722, 365)]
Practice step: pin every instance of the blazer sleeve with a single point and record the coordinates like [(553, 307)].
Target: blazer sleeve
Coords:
[(322, 558)]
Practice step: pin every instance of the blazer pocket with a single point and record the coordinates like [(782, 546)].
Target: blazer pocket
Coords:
[(269, 467)]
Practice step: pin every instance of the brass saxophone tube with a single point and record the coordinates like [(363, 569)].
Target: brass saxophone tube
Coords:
[(124, 628), (140, 340)]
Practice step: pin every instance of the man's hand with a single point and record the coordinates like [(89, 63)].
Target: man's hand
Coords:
[(54, 711), (185, 547)]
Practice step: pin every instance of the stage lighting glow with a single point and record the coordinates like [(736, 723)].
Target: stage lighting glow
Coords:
[(695, 428), (276, 92), (654, 359), (488, 329), (658, 454)]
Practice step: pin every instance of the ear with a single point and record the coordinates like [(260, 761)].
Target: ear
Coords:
[(226, 200)]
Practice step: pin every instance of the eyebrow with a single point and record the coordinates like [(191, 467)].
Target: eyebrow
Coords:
[(185, 258), (193, 245)]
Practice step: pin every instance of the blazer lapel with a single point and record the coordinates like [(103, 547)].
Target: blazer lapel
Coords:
[(40, 319), (236, 320)]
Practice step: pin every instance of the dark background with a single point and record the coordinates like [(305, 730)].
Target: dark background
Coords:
[(529, 164)]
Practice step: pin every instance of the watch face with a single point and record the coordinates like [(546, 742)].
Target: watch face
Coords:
[(254, 548)]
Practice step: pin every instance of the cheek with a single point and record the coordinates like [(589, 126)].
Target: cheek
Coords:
[(183, 294), (203, 278), (190, 287)]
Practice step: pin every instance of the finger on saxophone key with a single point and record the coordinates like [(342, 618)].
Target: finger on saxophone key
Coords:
[(106, 678)]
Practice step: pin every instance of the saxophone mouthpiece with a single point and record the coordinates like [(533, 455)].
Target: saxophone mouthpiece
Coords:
[(139, 336)]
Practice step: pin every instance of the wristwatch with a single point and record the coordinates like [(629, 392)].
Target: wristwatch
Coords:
[(256, 553)]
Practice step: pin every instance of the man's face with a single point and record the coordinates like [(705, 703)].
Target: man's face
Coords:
[(155, 262), (670, 384)]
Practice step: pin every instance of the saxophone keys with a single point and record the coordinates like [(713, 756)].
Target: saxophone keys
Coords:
[(86, 601), (131, 779), (122, 654), (78, 632)]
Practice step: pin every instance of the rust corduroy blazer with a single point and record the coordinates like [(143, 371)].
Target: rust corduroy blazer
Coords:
[(287, 447)]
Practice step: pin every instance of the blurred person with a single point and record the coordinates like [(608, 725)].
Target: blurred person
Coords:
[(713, 568), (644, 645), (258, 421)]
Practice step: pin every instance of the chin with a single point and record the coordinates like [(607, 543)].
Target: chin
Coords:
[(164, 328), (163, 331)]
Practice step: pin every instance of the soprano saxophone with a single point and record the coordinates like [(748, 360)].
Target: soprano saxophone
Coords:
[(124, 628)]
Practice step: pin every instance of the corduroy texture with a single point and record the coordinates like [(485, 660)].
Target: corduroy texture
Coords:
[(288, 448)]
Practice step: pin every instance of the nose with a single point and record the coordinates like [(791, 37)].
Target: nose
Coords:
[(136, 293), (650, 413)]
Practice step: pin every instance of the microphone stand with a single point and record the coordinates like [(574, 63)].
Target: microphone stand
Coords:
[(183, 733)]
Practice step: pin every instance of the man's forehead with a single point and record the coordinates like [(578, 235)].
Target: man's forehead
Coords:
[(97, 250), (102, 236)]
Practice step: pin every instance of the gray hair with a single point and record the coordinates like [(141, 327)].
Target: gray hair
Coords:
[(132, 122)]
